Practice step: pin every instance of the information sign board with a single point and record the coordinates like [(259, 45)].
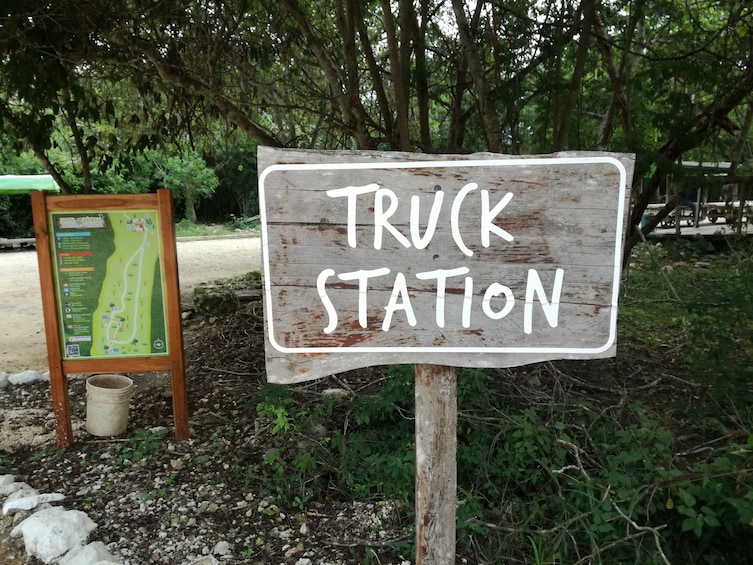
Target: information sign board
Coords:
[(478, 260), (108, 271)]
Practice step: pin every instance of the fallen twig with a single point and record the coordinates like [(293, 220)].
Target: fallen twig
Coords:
[(577, 452), (707, 445), (368, 543), (228, 372), (644, 529)]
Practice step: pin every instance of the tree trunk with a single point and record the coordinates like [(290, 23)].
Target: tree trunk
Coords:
[(346, 13), (375, 72), (742, 139), (456, 131), (70, 116), (190, 200), (422, 79), (400, 75), (619, 78), (490, 122), (560, 137)]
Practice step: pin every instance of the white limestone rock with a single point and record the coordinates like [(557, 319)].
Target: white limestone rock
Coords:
[(52, 532), (26, 377), (15, 490), (16, 503), (93, 553)]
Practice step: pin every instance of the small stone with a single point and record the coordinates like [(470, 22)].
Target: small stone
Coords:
[(20, 501), (222, 548), (205, 560), (339, 392), (533, 380), (292, 551)]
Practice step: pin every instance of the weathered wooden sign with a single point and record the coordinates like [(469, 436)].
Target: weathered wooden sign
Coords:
[(480, 260)]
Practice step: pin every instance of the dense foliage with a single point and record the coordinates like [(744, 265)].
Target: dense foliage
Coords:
[(87, 86)]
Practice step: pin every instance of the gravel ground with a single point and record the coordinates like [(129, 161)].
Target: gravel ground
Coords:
[(163, 501), (157, 500)]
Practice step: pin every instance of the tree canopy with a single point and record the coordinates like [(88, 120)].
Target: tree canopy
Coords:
[(87, 84)]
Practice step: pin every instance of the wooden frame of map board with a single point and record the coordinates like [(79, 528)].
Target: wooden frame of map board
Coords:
[(76, 241)]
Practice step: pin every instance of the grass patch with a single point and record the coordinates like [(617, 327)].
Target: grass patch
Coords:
[(185, 228)]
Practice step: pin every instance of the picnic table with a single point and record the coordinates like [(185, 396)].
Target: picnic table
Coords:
[(712, 211)]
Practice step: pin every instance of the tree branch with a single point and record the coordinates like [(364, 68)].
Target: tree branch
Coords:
[(178, 77)]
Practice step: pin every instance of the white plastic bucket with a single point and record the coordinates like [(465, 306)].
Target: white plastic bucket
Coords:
[(108, 402)]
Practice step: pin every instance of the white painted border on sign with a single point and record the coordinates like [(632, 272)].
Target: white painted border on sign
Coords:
[(435, 165)]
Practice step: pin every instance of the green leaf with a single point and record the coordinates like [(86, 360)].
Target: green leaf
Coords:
[(693, 524), (687, 498), (711, 520)]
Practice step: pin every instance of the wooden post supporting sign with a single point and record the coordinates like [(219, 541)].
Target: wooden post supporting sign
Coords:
[(109, 276), (374, 258), (436, 464)]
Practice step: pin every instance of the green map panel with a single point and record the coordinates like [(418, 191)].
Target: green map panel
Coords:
[(109, 284)]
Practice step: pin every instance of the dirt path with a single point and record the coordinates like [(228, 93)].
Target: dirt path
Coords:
[(22, 340)]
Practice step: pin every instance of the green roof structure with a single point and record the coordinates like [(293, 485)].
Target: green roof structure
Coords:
[(23, 184)]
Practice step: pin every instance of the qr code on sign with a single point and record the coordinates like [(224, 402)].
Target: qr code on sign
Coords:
[(72, 351)]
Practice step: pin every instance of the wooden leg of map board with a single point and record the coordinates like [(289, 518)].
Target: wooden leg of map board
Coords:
[(58, 379), (61, 408), (180, 403), (174, 319), (436, 466)]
